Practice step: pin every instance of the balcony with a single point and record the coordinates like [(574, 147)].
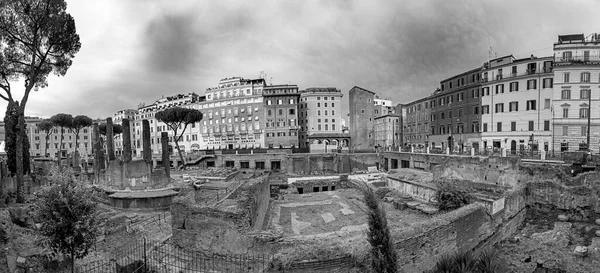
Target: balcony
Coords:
[(577, 60)]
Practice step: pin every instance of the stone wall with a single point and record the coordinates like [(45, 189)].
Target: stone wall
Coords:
[(581, 192), (229, 228), (135, 175)]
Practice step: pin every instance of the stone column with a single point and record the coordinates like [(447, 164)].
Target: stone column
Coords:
[(146, 141), (427, 149), (164, 142), (472, 151), (543, 154), (503, 152), (96, 148), (126, 141), (110, 148), (447, 150), (412, 149)]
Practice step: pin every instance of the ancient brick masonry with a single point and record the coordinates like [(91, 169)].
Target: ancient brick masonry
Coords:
[(164, 141), (110, 139), (146, 141), (126, 141)]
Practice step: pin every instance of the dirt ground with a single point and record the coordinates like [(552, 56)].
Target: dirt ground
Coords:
[(545, 244)]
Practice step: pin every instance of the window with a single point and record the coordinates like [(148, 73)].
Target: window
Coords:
[(546, 103), (292, 111), (566, 94), (531, 84), (546, 125), (319, 112), (585, 77), (442, 115), (566, 77), (565, 130), (485, 127), (269, 112), (325, 103), (565, 112), (583, 130), (486, 91), (513, 125), (584, 94), (567, 55), (531, 125), (531, 105), (547, 83), (450, 114), (583, 112), (499, 88), (460, 112), (485, 109), (499, 107), (475, 110), (268, 102), (499, 127), (514, 86), (564, 146), (513, 106)]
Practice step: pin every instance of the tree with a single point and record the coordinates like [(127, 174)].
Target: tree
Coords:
[(36, 38), (383, 254), (63, 121), (176, 117), (10, 128), (80, 122), (46, 126), (67, 214)]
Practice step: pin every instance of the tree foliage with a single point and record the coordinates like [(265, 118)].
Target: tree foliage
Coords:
[(450, 196), (46, 126), (37, 37), (67, 214), (465, 261), (63, 121), (177, 117), (10, 144), (383, 254), (80, 122), (117, 129)]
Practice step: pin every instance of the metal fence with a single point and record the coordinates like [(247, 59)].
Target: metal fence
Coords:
[(145, 256)]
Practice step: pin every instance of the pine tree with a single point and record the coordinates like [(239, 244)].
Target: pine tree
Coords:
[(383, 254), (10, 144)]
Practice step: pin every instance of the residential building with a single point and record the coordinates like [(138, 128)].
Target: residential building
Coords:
[(280, 104), (362, 111), (387, 131), (383, 107), (321, 117), (118, 119), (515, 107), (38, 143), (576, 93), (454, 121), (416, 126), (188, 141)]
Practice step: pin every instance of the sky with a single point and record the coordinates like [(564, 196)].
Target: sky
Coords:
[(135, 51)]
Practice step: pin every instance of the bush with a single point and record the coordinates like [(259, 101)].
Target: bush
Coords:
[(450, 196), (465, 262)]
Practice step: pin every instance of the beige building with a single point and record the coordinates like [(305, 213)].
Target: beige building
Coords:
[(38, 143), (416, 123), (387, 131), (281, 108), (118, 119), (321, 117), (516, 104), (576, 84)]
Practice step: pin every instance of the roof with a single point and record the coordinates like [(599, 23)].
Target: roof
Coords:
[(329, 135), (571, 38), (388, 115), (358, 87), (462, 74)]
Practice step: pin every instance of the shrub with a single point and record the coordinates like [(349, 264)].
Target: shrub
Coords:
[(461, 262), (450, 196), (383, 254)]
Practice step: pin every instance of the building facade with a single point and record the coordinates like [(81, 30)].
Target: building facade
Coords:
[(321, 117), (281, 108), (576, 93), (38, 145), (362, 109), (455, 118), (516, 103), (416, 126), (387, 132), (118, 139)]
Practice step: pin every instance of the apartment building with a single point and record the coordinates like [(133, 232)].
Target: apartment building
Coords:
[(455, 118), (281, 108), (576, 93), (516, 97), (416, 126), (387, 131), (118, 119), (38, 145), (321, 117)]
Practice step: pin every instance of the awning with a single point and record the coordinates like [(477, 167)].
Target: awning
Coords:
[(237, 146), (244, 146)]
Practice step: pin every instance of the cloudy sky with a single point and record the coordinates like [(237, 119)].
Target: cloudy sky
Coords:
[(135, 51)]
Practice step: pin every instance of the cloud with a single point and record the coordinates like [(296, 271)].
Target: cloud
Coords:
[(136, 51)]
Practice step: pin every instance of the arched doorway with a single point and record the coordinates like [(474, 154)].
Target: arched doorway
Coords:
[(513, 147)]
